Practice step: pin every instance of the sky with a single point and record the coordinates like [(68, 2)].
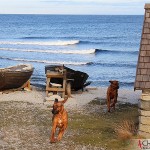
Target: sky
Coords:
[(93, 7)]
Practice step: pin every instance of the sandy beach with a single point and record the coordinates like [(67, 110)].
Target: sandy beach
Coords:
[(26, 119), (79, 99)]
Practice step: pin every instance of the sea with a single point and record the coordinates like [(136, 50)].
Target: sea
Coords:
[(106, 47)]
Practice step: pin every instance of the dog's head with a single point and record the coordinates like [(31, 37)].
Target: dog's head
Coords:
[(114, 84), (57, 107)]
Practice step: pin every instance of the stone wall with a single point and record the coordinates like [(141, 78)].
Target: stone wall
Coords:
[(144, 114)]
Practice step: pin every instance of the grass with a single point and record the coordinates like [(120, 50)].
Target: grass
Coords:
[(98, 128), (126, 129), (92, 126)]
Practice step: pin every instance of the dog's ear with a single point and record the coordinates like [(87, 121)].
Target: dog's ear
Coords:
[(110, 81)]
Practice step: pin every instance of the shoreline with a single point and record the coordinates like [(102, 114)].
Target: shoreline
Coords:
[(43, 86), (78, 99)]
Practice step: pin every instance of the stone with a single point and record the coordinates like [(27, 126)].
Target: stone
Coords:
[(145, 105), (2, 135), (144, 134), (3, 143), (144, 113), (144, 128), (50, 94), (49, 103), (53, 97), (144, 120), (145, 97), (146, 91)]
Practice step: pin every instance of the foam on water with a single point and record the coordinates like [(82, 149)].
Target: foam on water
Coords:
[(88, 51), (47, 62), (55, 43)]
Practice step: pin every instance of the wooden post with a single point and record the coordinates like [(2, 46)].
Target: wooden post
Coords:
[(27, 86), (64, 83), (47, 85)]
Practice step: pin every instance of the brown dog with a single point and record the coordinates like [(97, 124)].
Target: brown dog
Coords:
[(112, 94), (59, 120)]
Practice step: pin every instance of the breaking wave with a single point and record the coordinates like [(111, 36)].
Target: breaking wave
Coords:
[(88, 51), (50, 43), (114, 64), (65, 51), (115, 51), (46, 61)]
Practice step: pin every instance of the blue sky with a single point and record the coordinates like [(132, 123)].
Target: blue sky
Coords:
[(100, 7)]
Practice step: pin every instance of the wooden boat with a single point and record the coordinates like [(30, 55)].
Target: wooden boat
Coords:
[(15, 76), (77, 79)]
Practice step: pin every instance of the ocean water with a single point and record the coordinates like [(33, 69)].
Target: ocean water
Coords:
[(105, 47)]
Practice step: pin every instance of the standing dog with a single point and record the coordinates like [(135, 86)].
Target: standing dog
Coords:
[(59, 120), (112, 94)]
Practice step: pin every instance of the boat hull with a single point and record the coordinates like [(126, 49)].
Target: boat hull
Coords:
[(77, 79), (14, 79)]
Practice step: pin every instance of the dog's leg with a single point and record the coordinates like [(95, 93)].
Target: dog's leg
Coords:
[(108, 99), (108, 103), (113, 104), (52, 138), (114, 101), (61, 132)]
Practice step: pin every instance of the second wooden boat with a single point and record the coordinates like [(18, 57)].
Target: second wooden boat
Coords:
[(77, 79)]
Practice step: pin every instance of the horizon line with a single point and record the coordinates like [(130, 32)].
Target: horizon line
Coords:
[(80, 14)]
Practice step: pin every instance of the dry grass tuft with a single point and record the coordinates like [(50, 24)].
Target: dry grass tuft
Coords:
[(126, 129)]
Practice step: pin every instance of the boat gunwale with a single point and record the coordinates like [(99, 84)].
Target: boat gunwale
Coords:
[(18, 68)]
